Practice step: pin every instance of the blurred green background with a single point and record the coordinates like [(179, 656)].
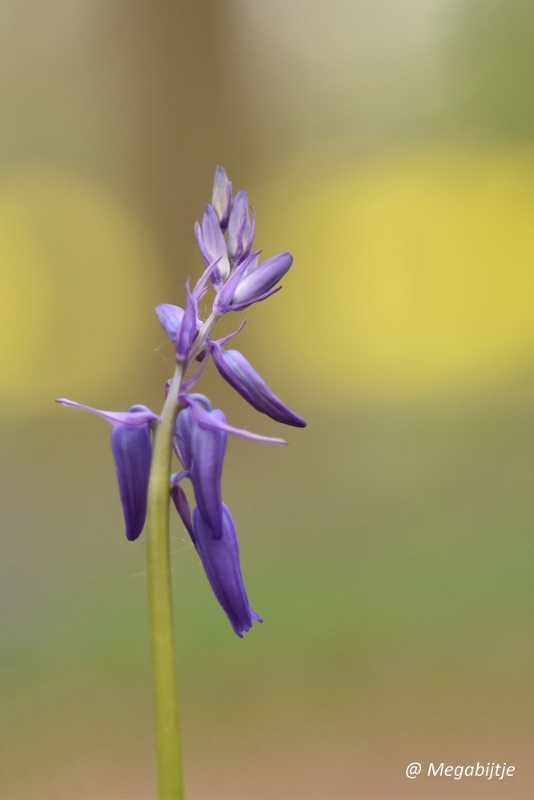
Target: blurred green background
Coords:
[(390, 548)]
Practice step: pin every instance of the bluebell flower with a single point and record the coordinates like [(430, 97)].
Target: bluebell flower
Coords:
[(252, 282), (242, 376), (132, 453), (259, 279)]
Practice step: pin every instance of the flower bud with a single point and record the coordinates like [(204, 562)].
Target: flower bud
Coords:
[(258, 281), (170, 318), (213, 246), (241, 228), (242, 376), (222, 197)]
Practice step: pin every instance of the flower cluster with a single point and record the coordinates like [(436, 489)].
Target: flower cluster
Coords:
[(239, 279)]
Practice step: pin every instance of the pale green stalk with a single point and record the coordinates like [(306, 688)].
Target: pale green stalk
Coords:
[(169, 749)]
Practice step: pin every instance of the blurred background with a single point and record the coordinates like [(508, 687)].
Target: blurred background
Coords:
[(390, 147)]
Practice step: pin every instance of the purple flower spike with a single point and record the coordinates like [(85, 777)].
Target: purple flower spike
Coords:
[(213, 246), (201, 451), (132, 452), (241, 228), (220, 559), (242, 376), (257, 283), (222, 197), (170, 318)]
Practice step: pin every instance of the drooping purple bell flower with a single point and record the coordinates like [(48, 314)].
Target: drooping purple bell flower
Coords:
[(212, 245), (242, 376), (241, 228), (132, 453), (221, 199), (201, 451), (220, 559)]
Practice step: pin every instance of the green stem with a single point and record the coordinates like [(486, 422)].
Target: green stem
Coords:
[(169, 750)]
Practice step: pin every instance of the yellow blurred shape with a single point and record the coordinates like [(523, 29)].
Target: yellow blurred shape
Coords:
[(75, 269), (409, 274)]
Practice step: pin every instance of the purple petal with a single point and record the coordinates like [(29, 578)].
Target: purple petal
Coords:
[(220, 559), (261, 279), (182, 437), (188, 328), (137, 417), (252, 263), (200, 287), (242, 376), (132, 452), (170, 318), (208, 446), (209, 421), (222, 197), (212, 245)]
